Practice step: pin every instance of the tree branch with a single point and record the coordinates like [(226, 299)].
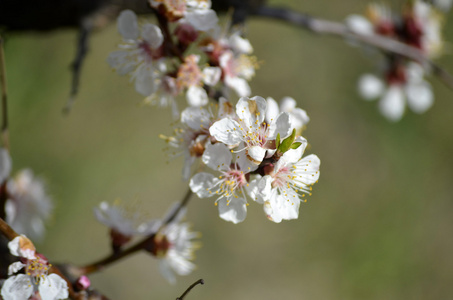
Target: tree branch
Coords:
[(338, 29)]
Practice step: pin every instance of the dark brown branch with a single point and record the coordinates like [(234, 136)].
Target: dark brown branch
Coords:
[(199, 281), (338, 29), (5, 135)]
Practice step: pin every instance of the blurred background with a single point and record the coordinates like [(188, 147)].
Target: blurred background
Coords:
[(378, 226)]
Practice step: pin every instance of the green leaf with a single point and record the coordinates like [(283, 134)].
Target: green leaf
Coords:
[(296, 145), (277, 141), (286, 144)]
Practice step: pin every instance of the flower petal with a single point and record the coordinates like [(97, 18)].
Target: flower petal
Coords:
[(280, 126), (21, 246), (226, 131), (233, 211), (392, 103), (196, 118), (17, 287), (202, 20), (419, 97), (196, 96), (251, 111), (272, 110), (239, 85), (217, 156), (14, 267), (152, 35), (370, 87), (211, 75), (128, 25), (53, 287), (201, 183)]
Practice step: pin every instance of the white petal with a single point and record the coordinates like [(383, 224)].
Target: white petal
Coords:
[(280, 126), (21, 246), (196, 96), (419, 97), (53, 287), (225, 108), (5, 164), (272, 110), (239, 85), (392, 103), (308, 170), (167, 271), (226, 131), (152, 35), (17, 287), (288, 104), (414, 72), (234, 211), (256, 154), (144, 80), (239, 44), (195, 117), (217, 156), (122, 61), (254, 190), (245, 163), (359, 24), (211, 75), (127, 25), (202, 20), (201, 183), (251, 110), (14, 267), (278, 208), (370, 87)]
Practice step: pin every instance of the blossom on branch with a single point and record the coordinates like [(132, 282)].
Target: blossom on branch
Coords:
[(36, 283)]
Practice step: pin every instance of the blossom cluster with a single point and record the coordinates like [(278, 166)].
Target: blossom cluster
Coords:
[(186, 55), (255, 152), (401, 81)]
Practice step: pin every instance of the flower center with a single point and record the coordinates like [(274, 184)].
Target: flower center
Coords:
[(37, 268)]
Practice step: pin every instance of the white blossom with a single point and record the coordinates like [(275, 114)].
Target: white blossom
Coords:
[(286, 183), (256, 137), (141, 55), (28, 204), (128, 221), (228, 187), (394, 95), (36, 279)]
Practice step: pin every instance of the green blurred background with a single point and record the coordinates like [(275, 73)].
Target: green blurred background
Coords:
[(379, 223)]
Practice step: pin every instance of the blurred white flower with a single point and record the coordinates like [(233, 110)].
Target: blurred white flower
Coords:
[(35, 282), (142, 54), (175, 248), (410, 88), (28, 204), (5, 165), (125, 220)]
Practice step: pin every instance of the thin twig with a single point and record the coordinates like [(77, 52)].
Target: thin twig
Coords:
[(338, 29), (5, 135), (82, 49), (199, 281)]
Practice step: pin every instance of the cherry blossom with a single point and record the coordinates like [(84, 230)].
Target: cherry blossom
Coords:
[(286, 183), (36, 280), (142, 54)]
